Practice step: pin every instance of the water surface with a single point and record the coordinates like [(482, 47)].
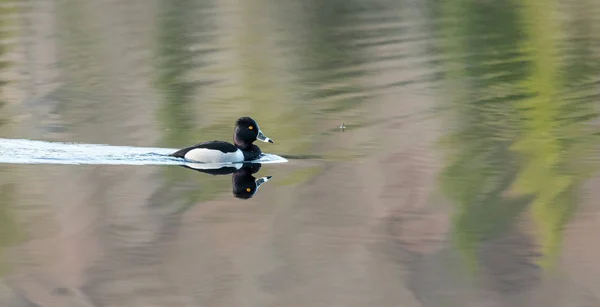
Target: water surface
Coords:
[(466, 174)]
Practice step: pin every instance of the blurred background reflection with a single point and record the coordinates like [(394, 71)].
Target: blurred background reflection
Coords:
[(465, 175)]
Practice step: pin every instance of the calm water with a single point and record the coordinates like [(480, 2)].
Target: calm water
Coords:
[(466, 175)]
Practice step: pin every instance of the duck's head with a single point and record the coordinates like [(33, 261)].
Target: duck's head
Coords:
[(246, 132)]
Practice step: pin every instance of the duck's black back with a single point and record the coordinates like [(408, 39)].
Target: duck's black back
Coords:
[(213, 145)]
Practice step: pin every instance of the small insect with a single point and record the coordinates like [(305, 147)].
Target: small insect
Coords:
[(342, 127)]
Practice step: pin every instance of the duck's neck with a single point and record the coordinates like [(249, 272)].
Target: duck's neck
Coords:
[(251, 152), (241, 144)]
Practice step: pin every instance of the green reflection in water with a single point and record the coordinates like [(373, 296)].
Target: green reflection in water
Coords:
[(329, 70), (85, 84), (483, 77), (9, 233), (331, 57), (555, 140), (173, 63), (520, 140), (7, 8), (176, 37)]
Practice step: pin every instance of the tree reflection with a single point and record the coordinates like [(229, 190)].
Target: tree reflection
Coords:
[(555, 139), (8, 227), (520, 138), (177, 36)]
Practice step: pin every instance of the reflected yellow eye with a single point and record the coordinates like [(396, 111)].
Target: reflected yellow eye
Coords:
[(250, 129), (248, 190)]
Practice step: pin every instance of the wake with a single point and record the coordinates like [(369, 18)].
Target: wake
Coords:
[(22, 151)]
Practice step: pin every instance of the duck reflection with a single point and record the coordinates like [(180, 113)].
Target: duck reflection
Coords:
[(244, 184)]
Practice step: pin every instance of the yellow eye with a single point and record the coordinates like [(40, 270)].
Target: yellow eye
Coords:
[(248, 190), (250, 129)]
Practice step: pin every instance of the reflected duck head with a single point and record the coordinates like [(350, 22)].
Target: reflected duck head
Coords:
[(245, 185)]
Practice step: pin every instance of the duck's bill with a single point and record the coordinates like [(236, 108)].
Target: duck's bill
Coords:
[(262, 137), (262, 180)]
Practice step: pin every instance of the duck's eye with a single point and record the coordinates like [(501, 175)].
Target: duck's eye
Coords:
[(250, 127), (248, 189)]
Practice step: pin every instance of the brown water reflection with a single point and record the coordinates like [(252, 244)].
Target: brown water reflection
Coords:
[(501, 214)]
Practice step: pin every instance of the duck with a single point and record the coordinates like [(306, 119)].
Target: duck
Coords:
[(245, 132)]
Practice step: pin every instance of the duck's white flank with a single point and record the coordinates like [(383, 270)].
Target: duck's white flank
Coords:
[(214, 156), (213, 166)]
